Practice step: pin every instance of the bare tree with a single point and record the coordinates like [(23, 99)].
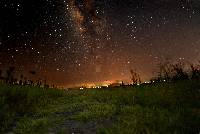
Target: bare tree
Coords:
[(135, 77), (165, 71)]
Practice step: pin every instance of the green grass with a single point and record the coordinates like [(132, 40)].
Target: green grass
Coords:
[(158, 108)]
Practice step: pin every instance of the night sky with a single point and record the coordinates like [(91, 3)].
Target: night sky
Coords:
[(71, 42)]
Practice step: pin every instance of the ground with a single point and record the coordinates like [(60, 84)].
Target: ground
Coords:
[(157, 108)]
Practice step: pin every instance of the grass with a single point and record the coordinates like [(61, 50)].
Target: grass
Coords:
[(157, 108)]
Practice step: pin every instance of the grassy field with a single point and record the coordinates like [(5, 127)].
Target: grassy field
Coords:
[(162, 108)]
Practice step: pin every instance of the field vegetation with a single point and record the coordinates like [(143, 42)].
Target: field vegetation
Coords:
[(153, 108)]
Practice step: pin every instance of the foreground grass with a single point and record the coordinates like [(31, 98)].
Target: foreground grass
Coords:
[(159, 108)]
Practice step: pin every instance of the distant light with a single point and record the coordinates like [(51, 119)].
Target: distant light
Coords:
[(138, 84), (81, 88), (164, 80)]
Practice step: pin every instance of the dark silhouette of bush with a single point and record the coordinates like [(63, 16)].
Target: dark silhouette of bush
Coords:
[(1, 77), (32, 72), (39, 83), (170, 72), (25, 81), (21, 80), (195, 72), (179, 73)]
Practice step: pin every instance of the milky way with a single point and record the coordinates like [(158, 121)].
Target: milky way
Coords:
[(71, 42)]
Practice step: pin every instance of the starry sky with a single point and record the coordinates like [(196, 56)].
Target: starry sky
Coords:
[(69, 42)]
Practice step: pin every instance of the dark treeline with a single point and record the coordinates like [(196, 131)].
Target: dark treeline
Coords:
[(172, 72), (168, 72), (9, 77)]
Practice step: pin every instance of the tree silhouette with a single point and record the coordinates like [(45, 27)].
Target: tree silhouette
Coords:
[(165, 71), (10, 75), (135, 77), (32, 72), (21, 79)]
